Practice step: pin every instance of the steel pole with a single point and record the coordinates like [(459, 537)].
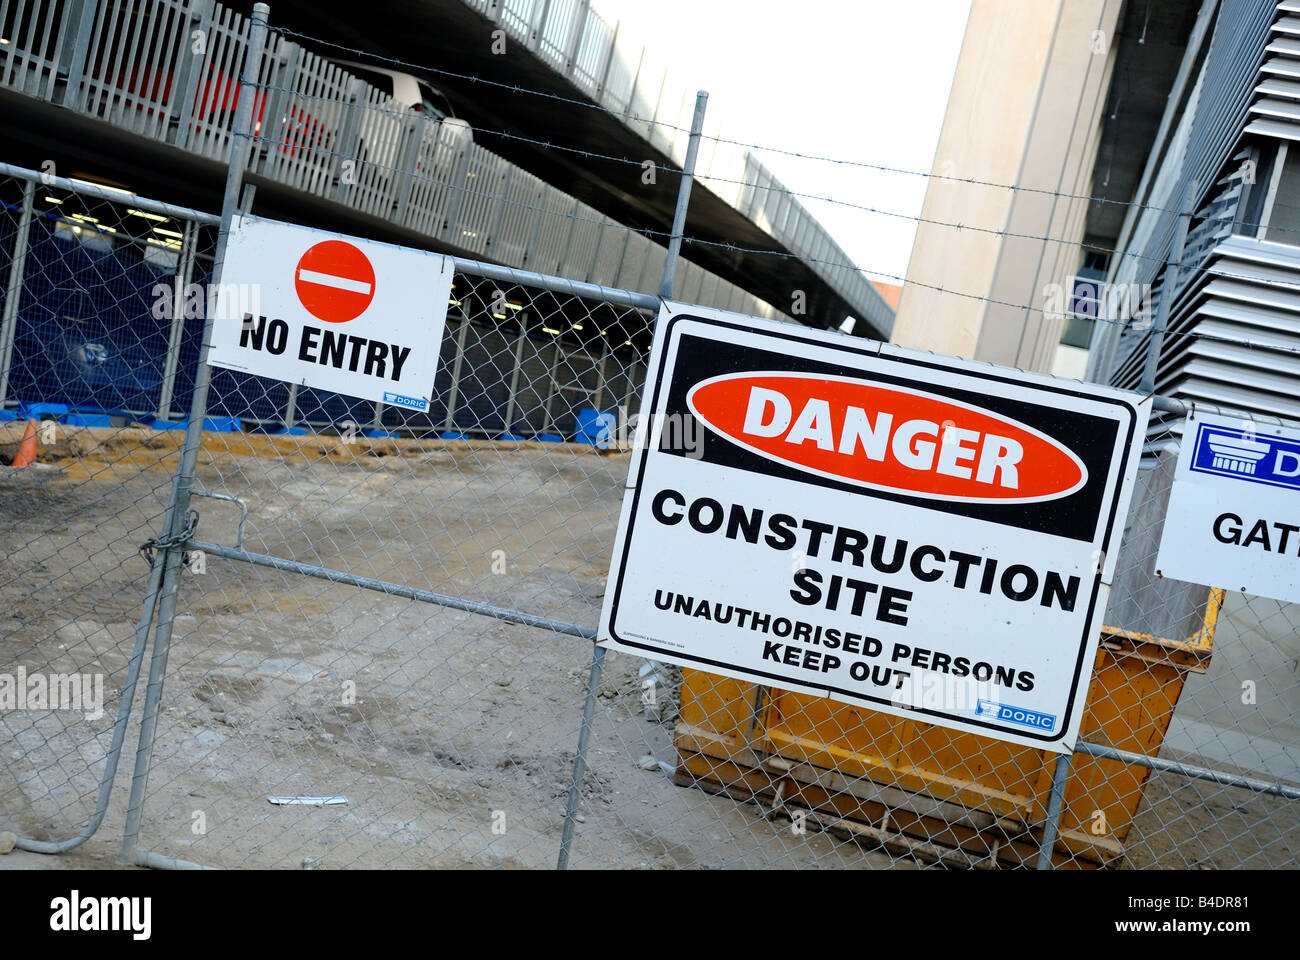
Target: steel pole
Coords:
[(14, 288), (1060, 774), (683, 196), (580, 757), (178, 508)]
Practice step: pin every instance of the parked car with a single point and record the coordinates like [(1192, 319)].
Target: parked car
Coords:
[(409, 91), (385, 130)]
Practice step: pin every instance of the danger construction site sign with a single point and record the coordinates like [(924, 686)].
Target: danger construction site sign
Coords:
[(920, 535), (337, 313)]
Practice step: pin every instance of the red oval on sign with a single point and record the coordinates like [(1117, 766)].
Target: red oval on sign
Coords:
[(335, 281), (887, 438)]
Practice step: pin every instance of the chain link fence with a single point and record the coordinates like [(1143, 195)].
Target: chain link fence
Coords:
[(85, 356), (380, 652), (325, 719), (372, 628)]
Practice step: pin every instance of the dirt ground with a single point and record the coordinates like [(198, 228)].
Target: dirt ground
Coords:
[(451, 735)]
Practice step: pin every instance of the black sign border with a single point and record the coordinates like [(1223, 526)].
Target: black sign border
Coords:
[(780, 680)]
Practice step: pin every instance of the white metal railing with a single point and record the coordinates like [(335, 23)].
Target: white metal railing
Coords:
[(167, 69), (625, 79)]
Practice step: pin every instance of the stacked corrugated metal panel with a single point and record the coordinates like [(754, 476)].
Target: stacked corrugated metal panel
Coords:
[(1233, 327), (1276, 113), (1244, 308)]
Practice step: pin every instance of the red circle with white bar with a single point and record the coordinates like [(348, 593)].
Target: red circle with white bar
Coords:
[(335, 281)]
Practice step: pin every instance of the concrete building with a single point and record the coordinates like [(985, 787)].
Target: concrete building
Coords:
[(1058, 99)]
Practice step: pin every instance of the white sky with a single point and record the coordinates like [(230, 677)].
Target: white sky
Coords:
[(863, 80)]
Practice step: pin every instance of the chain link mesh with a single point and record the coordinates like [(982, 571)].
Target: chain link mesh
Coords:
[(733, 774), (308, 722), (85, 338)]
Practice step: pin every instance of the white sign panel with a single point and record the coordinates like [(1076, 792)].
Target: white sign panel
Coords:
[(920, 535), (1234, 510), (356, 317)]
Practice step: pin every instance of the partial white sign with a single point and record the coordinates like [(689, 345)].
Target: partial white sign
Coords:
[(920, 535), (353, 316), (1234, 510)]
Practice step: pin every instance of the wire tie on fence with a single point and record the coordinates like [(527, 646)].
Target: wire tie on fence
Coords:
[(153, 544)]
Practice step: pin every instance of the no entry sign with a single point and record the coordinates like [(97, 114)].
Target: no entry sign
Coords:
[(920, 535), (356, 317), (335, 281)]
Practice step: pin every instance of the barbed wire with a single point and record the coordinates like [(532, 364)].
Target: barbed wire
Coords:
[(779, 188), (303, 141), (647, 232), (298, 144), (469, 191), (628, 118), (651, 233), (821, 198), (1125, 322)]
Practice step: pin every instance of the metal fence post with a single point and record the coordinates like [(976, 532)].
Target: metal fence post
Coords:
[(171, 363), (609, 62), (499, 201), (537, 224), (459, 183), (177, 522), (1147, 384), (580, 757), (291, 407), (575, 38), (14, 288), (598, 653), (600, 375), (563, 263), (552, 386), (406, 165), (453, 393), (636, 80), (200, 17), (350, 140), (683, 196), (539, 26), (1055, 802), (514, 373)]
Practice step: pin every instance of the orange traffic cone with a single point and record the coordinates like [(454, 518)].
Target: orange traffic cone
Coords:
[(26, 454)]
